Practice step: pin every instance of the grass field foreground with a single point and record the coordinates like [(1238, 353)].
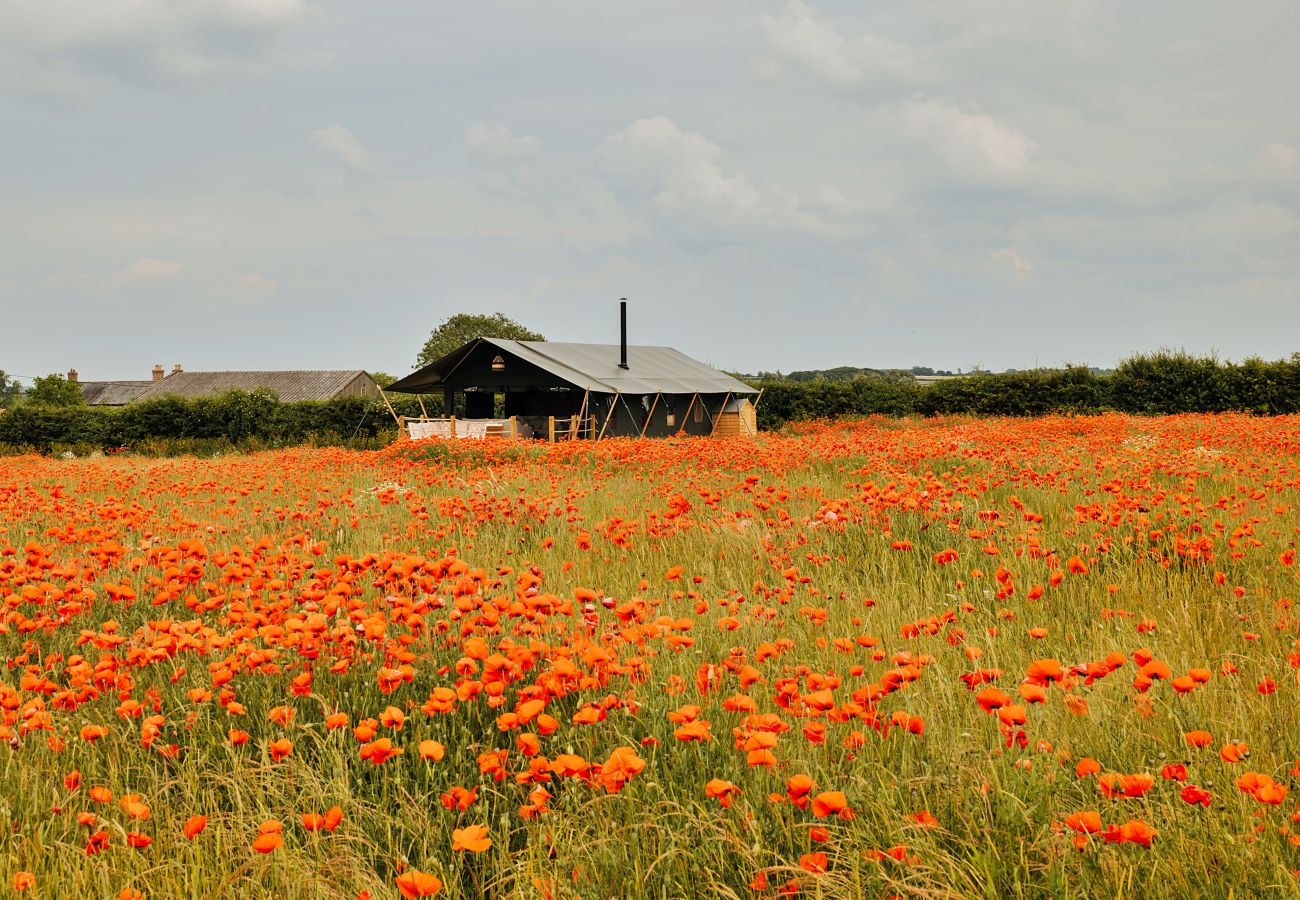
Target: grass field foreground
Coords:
[(955, 657)]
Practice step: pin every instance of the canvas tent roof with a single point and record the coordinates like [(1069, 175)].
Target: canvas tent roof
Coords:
[(651, 370)]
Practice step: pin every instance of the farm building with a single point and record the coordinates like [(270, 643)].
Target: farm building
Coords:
[(289, 386), (563, 391), (109, 393)]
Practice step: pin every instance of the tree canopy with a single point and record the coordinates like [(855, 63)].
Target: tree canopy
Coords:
[(55, 390), (10, 390), (462, 328)]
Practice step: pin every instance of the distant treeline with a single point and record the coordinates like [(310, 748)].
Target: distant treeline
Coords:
[(1152, 384), (1148, 384), (849, 373)]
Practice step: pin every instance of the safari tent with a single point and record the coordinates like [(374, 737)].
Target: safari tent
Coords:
[(561, 391)]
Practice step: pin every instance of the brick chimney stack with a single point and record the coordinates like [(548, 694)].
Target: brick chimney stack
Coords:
[(176, 369), (158, 372), (72, 375)]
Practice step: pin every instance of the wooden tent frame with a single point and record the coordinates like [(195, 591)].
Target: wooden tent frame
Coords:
[(721, 409), (651, 416), (610, 414), (391, 411), (686, 416)]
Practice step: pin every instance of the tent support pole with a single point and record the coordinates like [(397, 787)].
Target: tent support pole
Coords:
[(721, 409), (757, 400), (686, 417), (391, 411), (613, 404), (582, 411), (704, 406), (652, 413)]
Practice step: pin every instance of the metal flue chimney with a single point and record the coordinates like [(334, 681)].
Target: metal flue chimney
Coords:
[(622, 333)]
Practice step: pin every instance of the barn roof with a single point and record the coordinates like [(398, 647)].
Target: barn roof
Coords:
[(289, 386), (650, 370), (112, 393)]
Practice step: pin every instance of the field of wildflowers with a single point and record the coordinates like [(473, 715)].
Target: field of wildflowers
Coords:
[(941, 658)]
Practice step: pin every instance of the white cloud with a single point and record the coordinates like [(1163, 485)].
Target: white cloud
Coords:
[(972, 143), (1281, 157), (147, 269), (681, 171), (591, 218), (142, 40), (1020, 267), (684, 178), (800, 35), (498, 142), (342, 143), (832, 198)]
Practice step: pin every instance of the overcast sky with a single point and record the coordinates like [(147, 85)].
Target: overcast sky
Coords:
[(773, 184)]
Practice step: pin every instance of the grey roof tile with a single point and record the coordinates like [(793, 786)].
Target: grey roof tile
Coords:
[(289, 386)]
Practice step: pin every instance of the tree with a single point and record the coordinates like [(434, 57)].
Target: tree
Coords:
[(462, 328), (383, 379), (10, 390), (55, 390)]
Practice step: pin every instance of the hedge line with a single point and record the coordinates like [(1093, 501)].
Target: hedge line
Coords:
[(1152, 384), (1162, 383), (235, 419)]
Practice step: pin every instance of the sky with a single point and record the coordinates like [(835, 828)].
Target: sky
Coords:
[(773, 184)]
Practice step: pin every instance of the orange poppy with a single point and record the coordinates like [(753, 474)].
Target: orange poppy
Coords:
[(413, 883), (816, 863), (268, 836), (473, 838), (829, 803), (723, 790)]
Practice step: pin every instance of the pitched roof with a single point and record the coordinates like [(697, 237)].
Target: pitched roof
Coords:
[(289, 386), (112, 393), (650, 370)]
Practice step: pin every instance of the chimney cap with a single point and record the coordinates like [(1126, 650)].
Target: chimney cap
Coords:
[(158, 372), (176, 369), (72, 374)]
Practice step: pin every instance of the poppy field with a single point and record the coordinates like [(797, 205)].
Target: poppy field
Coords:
[(1052, 657)]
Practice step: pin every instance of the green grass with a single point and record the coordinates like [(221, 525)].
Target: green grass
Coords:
[(1102, 486)]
